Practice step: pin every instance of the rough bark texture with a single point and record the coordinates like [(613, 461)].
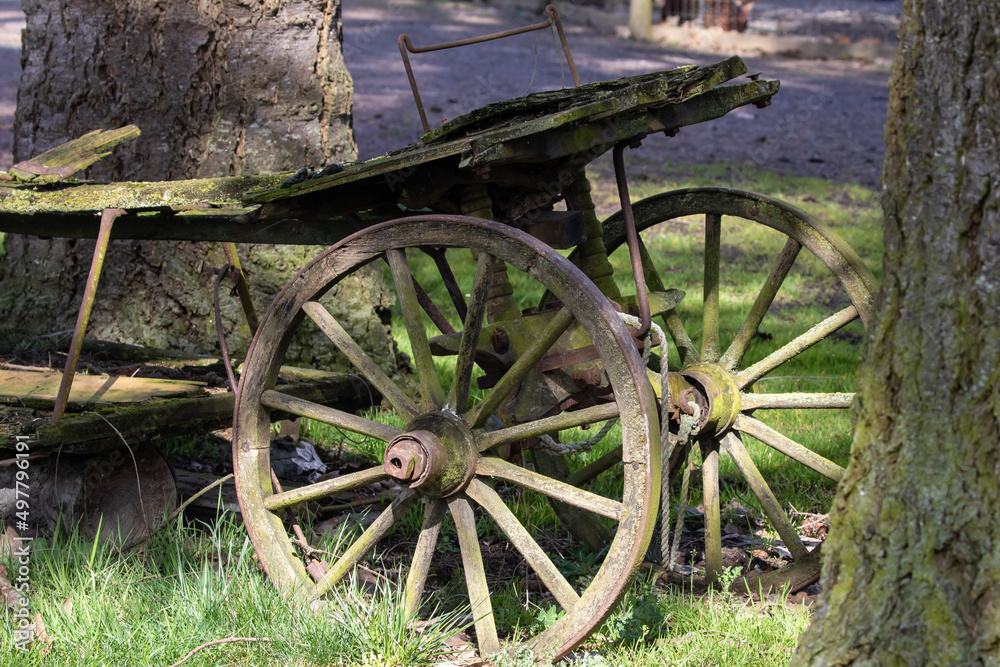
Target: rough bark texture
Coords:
[(217, 88), (912, 569)]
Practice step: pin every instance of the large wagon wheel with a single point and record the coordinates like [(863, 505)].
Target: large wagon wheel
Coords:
[(445, 458), (734, 387)]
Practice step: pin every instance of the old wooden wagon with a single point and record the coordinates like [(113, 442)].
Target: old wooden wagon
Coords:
[(525, 343)]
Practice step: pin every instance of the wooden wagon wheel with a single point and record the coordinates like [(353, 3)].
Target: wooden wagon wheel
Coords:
[(726, 377), (445, 458)]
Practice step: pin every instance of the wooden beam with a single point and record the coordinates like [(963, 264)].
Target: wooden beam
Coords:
[(94, 432)]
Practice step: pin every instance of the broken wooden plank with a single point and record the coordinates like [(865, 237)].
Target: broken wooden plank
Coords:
[(596, 135), (61, 162), (545, 110), (71, 213), (167, 196), (94, 432), (39, 388)]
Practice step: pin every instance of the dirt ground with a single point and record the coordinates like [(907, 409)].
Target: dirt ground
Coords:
[(826, 121)]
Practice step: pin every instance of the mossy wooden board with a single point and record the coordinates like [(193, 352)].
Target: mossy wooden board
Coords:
[(42, 386)]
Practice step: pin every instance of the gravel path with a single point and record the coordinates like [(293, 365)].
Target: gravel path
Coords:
[(11, 22), (854, 19), (826, 121)]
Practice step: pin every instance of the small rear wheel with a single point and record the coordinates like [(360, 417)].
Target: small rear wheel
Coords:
[(748, 381)]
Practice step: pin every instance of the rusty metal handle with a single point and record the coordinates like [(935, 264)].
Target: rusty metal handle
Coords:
[(406, 46), (631, 236)]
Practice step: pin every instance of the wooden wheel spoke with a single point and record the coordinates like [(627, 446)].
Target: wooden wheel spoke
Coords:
[(795, 401), (433, 312), (547, 425), (448, 278), (423, 554), (686, 348), (796, 347), (789, 447), (512, 378), (343, 420), (458, 395), (710, 314), (539, 561), (713, 519), (368, 539), (775, 514), (430, 385), (654, 283), (354, 480), (360, 359), (748, 329), (553, 488), (592, 470), (475, 574)]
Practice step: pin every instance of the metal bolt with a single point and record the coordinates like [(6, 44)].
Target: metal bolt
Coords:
[(405, 459), (500, 341)]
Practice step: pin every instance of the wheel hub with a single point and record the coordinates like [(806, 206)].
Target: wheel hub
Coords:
[(435, 456), (721, 395)]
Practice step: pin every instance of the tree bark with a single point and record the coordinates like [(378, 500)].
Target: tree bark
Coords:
[(218, 89), (912, 567)]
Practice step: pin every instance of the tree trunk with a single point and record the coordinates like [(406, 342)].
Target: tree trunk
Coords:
[(912, 566), (218, 88), (640, 18)]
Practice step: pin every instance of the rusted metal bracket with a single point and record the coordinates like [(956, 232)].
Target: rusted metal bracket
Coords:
[(405, 46)]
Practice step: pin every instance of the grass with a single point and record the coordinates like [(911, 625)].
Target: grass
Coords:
[(717, 629), (194, 585)]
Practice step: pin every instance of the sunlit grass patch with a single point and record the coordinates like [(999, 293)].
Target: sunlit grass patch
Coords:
[(196, 584)]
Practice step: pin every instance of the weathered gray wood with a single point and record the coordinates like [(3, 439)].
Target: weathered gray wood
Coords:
[(94, 432), (599, 134), (39, 388)]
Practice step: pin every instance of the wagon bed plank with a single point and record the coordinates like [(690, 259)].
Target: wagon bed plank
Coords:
[(542, 111), (40, 388), (98, 431)]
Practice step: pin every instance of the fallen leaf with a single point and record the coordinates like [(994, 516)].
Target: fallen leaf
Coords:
[(327, 528), (43, 640), (7, 541), (7, 591), (67, 606)]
